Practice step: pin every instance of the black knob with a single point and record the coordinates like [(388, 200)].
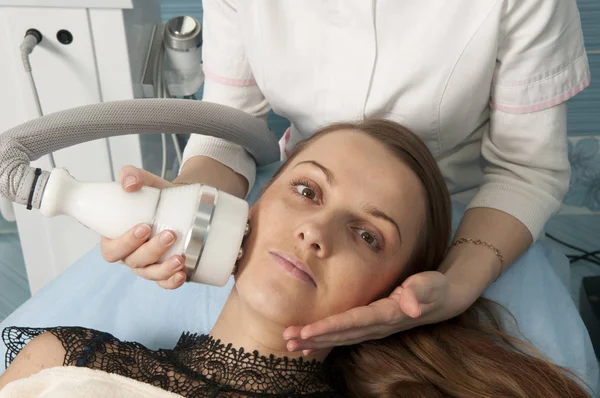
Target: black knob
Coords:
[(64, 36)]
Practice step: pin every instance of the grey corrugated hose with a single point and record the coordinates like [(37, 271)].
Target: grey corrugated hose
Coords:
[(29, 141)]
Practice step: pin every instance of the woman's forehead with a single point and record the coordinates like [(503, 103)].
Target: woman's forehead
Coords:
[(356, 155)]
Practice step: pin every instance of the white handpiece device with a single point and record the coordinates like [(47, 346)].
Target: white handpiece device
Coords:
[(209, 224)]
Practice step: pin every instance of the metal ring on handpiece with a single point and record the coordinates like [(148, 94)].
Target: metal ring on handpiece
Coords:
[(198, 234)]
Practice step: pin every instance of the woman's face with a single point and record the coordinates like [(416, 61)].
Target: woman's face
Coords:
[(332, 232)]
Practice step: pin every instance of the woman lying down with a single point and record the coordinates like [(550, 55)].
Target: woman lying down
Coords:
[(333, 230)]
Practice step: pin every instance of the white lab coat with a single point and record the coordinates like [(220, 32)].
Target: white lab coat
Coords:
[(481, 82)]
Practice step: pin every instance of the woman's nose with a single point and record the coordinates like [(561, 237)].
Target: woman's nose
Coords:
[(314, 237)]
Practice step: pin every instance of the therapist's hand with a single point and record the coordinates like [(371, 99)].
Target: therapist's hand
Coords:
[(135, 249), (424, 298)]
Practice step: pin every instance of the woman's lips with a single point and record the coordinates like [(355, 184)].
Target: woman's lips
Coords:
[(294, 266)]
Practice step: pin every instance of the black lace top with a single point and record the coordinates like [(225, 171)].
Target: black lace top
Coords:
[(198, 366)]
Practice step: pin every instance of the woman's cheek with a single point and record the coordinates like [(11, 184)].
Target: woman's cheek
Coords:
[(373, 279), (353, 286)]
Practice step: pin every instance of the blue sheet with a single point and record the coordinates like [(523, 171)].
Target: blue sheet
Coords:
[(109, 297)]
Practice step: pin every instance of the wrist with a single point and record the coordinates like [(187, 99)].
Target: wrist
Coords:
[(205, 170), (482, 244), (479, 257), (470, 269)]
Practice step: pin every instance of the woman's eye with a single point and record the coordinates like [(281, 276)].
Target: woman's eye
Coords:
[(307, 192), (369, 239)]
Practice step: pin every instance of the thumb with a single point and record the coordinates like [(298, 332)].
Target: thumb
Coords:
[(416, 291), (133, 179), (409, 303), (425, 285)]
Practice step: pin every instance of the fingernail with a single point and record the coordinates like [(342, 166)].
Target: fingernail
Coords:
[(129, 181), (289, 346), (306, 352), (175, 263), (141, 231), (179, 278), (166, 238)]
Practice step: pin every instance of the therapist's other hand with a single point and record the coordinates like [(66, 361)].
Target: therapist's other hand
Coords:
[(423, 298), (135, 249)]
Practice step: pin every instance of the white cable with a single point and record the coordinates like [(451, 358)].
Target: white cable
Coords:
[(27, 46), (177, 150), (163, 170), (178, 153), (31, 40), (159, 92), (34, 92)]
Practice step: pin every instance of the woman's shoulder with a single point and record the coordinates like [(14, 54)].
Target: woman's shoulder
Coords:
[(40, 351), (79, 346), (30, 349)]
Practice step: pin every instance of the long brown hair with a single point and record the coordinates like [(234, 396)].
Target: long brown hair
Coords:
[(467, 356)]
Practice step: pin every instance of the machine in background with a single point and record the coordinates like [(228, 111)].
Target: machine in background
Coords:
[(90, 51)]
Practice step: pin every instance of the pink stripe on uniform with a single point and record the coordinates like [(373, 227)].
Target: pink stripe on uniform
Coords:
[(228, 81), (283, 143), (546, 104)]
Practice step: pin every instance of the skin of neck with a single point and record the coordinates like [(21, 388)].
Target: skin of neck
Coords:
[(242, 326)]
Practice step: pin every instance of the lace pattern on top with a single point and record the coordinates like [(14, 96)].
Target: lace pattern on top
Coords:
[(198, 366)]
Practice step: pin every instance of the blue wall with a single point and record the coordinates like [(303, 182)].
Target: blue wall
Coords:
[(172, 8), (584, 112)]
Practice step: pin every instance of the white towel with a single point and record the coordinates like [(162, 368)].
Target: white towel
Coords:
[(76, 382)]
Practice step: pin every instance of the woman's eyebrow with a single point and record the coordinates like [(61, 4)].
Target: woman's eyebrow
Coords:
[(375, 212), (325, 170)]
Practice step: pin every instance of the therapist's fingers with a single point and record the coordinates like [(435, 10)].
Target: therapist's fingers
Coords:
[(114, 250), (173, 282), (133, 178), (151, 251), (160, 272), (347, 337), (379, 312)]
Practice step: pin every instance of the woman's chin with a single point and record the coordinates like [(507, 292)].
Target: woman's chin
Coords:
[(278, 300)]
